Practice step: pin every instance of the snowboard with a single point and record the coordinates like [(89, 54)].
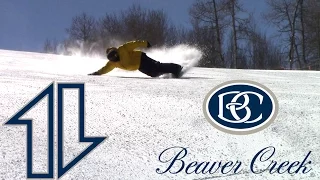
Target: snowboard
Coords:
[(184, 70)]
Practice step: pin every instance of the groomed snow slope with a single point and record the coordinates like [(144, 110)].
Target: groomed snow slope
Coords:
[(141, 117)]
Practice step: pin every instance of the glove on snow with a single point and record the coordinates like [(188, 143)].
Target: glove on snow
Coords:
[(95, 73)]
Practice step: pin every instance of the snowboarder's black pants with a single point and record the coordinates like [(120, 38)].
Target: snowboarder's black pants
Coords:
[(154, 68)]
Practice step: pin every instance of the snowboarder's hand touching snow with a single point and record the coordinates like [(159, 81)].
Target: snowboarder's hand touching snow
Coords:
[(94, 73)]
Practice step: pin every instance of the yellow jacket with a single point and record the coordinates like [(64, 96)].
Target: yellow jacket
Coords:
[(129, 57)]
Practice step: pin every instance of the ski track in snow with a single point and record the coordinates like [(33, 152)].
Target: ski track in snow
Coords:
[(142, 116)]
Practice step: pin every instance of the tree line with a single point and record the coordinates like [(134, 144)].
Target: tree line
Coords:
[(229, 35)]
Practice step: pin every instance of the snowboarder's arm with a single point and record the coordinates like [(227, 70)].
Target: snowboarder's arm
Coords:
[(107, 68), (135, 44)]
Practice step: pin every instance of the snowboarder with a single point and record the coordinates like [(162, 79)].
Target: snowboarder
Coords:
[(127, 58)]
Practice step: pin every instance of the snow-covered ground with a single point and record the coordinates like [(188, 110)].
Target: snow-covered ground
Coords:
[(141, 117)]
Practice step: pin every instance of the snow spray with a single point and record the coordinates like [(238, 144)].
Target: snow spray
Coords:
[(76, 63)]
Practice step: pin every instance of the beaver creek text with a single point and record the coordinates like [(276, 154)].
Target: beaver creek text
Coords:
[(175, 160)]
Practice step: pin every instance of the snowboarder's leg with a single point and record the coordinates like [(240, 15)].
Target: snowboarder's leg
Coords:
[(172, 68), (154, 68)]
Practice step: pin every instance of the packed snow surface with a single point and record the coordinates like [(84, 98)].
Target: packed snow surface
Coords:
[(142, 116)]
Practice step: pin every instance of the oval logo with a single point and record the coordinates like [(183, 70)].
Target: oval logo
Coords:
[(240, 107)]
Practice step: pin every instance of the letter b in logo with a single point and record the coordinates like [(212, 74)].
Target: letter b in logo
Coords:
[(240, 107)]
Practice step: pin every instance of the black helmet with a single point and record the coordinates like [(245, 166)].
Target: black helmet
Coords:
[(112, 54)]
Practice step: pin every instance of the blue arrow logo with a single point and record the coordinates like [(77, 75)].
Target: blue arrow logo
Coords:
[(95, 140), (15, 120), (49, 91)]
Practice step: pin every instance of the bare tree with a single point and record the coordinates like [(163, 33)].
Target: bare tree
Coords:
[(110, 25), (209, 16), (47, 48), (284, 15), (158, 25), (260, 51), (303, 35), (177, 35), (218, 17), (50, 46), (293, 37), (203, 37), (238, 26), (136, 23), (232, 9), (83, 29), (312, 32)]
